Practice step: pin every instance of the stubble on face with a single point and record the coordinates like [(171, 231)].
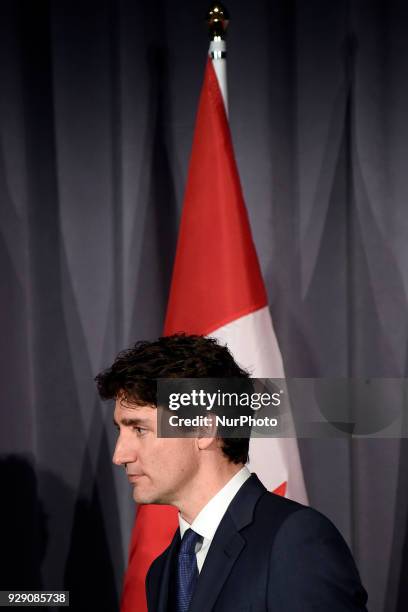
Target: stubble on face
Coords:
[(161, 470), (169, 472)]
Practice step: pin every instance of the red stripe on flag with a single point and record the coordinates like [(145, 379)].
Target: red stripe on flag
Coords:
[(216, 276)]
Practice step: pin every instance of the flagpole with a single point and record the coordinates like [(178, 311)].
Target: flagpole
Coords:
[(218, 20)]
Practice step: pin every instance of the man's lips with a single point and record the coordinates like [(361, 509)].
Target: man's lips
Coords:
[(134, 477)]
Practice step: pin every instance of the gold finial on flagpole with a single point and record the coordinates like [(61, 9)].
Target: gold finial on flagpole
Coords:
[(217, 19)]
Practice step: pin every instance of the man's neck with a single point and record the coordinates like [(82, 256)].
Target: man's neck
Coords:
[(205, 486)]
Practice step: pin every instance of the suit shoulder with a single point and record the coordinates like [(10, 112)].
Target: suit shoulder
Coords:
[(311, 558), (296, 515), (296, 525), (307, 521), (277, 506), (298, 521), (269, 514)]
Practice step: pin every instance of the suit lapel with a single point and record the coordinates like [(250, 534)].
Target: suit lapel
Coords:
[(226, 545), (224, 551)]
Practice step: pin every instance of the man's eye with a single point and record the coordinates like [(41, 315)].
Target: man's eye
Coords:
[(139, 430)]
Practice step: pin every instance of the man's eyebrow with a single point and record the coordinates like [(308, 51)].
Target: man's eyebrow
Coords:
[(131, 422)]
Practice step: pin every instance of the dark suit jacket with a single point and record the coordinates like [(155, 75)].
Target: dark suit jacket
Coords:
[(268, 554)]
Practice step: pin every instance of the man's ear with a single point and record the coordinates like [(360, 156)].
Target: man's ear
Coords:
[(207, 434)]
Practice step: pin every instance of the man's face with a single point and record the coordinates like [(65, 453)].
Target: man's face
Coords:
[(161, 470)]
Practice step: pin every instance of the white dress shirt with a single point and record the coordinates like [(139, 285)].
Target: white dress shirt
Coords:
[(207, 520)]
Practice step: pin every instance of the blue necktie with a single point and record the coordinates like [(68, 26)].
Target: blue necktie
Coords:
[(187, 570)]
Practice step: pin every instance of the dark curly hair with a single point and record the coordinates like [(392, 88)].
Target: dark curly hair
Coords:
[(135, 371)]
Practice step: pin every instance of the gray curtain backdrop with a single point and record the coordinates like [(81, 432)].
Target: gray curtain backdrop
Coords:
[(98, 101)]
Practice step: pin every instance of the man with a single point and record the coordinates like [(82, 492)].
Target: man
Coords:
[(238, 547)]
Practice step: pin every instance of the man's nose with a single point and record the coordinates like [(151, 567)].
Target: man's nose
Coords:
[(123, 452)]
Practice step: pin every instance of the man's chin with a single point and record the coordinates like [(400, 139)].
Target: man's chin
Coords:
[(144, 497)]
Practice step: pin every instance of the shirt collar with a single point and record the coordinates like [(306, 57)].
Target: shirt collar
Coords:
[(207, 520)]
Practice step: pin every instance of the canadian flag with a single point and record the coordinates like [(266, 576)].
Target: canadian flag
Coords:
[(217, 290)]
